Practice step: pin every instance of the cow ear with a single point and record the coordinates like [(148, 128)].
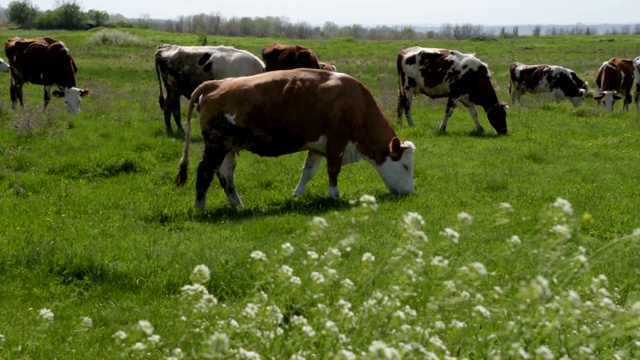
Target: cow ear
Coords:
[(84, 93), (505, 106), (617, 97), (598, 98), (58, 93), (395, 148)]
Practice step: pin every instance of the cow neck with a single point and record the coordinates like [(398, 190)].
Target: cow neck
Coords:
[(373, 143)]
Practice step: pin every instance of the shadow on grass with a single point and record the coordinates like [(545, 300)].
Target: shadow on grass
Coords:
[(307, 205), (487, 134)]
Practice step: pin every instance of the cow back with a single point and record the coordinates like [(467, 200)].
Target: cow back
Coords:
[(42, 61), (287, 57)]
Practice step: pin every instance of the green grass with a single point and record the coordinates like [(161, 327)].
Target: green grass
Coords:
[(93, 226)]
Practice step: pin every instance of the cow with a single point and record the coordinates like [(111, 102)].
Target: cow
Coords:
[(183, 68), (327, 114), (441, 73), (557, 81), (614, 80), (43, 61), (286, 57), (636, 75), (4, 67)]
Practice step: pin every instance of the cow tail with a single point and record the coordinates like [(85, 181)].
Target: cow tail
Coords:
[(161, 96), (183, 167), (402, 96)]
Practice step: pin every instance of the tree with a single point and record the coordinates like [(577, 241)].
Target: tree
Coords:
[(536, 30), (97, 17), (70, 16), (22, 12)]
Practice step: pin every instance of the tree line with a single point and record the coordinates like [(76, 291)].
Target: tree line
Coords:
[(69, 15)]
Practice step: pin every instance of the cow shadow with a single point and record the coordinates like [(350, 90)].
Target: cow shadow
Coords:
[(487, 134)]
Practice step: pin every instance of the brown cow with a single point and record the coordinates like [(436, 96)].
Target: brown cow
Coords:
[(286, 57), (615, 79), (326, 113), (448, 73), (43, 61)]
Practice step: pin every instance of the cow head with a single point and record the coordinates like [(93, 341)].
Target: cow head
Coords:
[(4, 67), (72, 98), (608, 98), (497, 116), (578, 100), (397, 169)]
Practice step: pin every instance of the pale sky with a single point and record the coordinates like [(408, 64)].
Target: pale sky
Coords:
[(381, 12)]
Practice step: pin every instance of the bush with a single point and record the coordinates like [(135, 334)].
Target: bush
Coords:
[(117, 38)]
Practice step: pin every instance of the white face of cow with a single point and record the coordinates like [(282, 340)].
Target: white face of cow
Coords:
[(4, 67), (607, 98), (398, 175), (578, 100), (72, 98)]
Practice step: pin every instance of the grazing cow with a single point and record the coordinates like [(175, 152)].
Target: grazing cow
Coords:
[(328, 114), (183, 68), (615, 79), (557, 81), (448, 73), (43, 61), (636, 75), (286, 57), (4, 67)]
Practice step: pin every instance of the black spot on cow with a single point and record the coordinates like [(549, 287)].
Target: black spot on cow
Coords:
[(410, 60), (204, 58), (208, 67)]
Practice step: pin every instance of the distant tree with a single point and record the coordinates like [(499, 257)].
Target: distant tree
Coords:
[(536, 30), (503, 32), (97, 17), (202, 37), (70, 16), (515, 31), (23, 13)]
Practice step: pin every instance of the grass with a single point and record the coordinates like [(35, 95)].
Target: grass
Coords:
[(93, 226)]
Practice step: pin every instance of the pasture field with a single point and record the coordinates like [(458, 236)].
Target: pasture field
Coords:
[(517, 246)]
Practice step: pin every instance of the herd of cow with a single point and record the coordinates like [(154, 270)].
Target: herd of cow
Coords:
[(290, 101)]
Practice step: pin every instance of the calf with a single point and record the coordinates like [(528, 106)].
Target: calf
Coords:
[(43, 61), (615, 79), (327, 114), (183, 68), (441, 73), (557, 81)]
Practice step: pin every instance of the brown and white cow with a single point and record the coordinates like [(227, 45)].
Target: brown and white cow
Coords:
[(183, 68), (327, 66), (636, 75), (286, 57), (4, 67), (43, 61), (441, 73), (327, 114), (557, 81), (615, 79)]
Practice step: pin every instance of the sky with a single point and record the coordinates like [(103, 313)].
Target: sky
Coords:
[(380, 12)]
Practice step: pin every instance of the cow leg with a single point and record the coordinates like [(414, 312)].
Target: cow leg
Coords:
[(172, 106), (474, 114), (15, 91), (627, 100), (47, 96), (335, 152), (404, 105), (451, 105), (211, 160), (225, 177), (637, 97), (309, 169)]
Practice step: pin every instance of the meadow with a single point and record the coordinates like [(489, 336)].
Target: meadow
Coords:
[(518, 246)]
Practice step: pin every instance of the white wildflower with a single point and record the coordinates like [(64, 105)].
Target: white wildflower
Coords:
[(348, 284), (368, 257), (145, 326), (154, 339), (451, 234), (288, 248), (331, 326), (482, 310), (86, 322), (251, 310), (287, 270), (505, 206), (544, 353), (368, 201), (200, 274), (318, 222), (317, 277), (465, 218), (439, 261), (139, 346), (218, 344), (2, 338), (46, 314), (562, 230), (247, 354), (515, 240), (307, 329), (379, 350), (413, 221), (344, 354), (636, 232), (312, 254), (479, 268), (563, 205), (258, 255), (120, 335), (295, 280), (177, 353), (458, 324)]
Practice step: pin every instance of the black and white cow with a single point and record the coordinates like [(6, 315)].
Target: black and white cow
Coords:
[(440, 73), (636, 75), (557, 81), (183, 68)]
